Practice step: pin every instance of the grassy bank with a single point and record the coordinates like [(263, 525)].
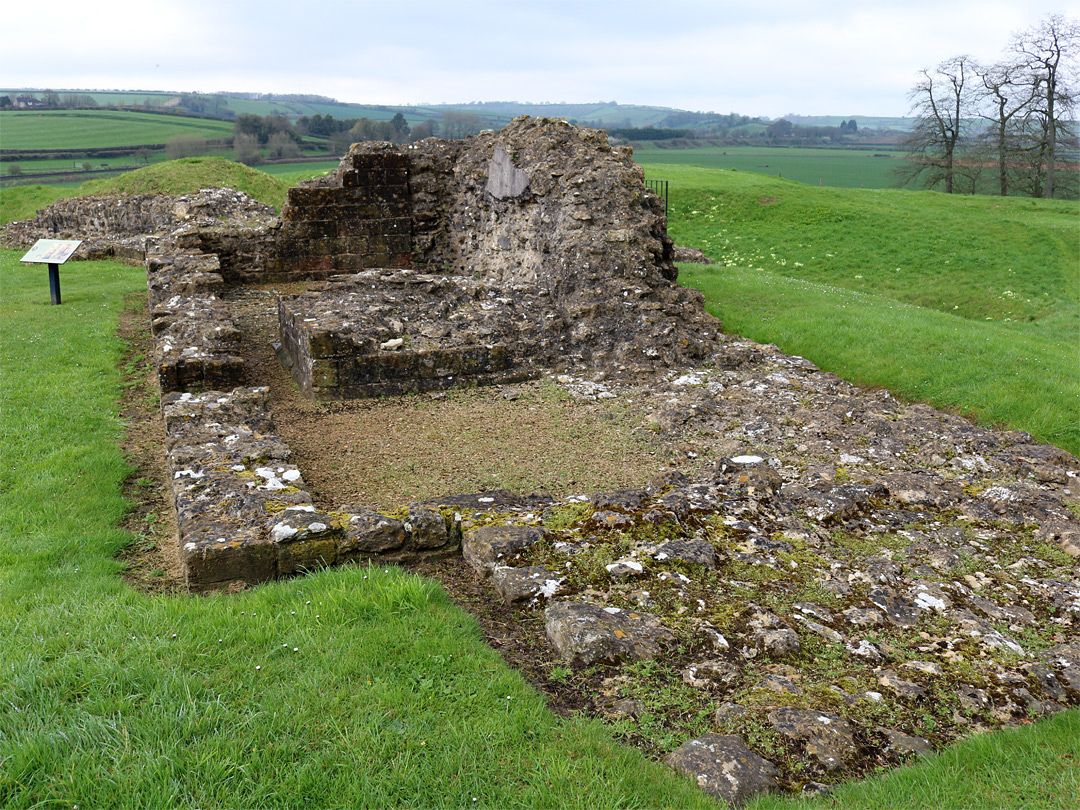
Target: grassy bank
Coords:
[(971, 304), (183, 176)]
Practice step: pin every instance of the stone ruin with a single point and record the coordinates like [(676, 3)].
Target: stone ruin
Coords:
[(477, 262), (844, 566)]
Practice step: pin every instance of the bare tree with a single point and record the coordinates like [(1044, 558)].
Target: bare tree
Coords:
[(246, 149), (1049, 52), (183, 146), (941, 101), (1008, 91), (280, 145), (459, 124)]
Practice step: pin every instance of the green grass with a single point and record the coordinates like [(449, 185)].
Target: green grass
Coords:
[(292, 173), (73, 165), (91, 129), (23, 202), (183, 176), (187, 175), (976, 299), (1029, 767), (348, 688), (839, 168)]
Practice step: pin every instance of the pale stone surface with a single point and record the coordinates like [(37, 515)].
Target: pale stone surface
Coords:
[(587, 634), (526, 584), (826, 738), (490, 546), (723, 766)]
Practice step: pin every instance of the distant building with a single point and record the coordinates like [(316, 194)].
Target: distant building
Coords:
[(28, 102)]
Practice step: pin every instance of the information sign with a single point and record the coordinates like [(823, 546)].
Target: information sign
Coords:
[(53, 252)]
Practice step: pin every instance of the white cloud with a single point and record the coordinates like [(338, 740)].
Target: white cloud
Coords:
[(805, 56)]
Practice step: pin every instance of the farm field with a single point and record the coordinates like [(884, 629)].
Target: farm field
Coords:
[(977, 299), (29, 168), (94, 129), (293, 173), (837, 168)]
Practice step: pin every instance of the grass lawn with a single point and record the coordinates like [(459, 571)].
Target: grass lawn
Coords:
[(838, 168), (975, 301)]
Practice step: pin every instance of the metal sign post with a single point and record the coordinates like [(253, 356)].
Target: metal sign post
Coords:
[(53, 252)]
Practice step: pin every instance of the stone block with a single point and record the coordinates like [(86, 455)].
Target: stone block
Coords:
[(583, 633), (526, 584), (488, 546), (426, 527), (826, 738), (723, 766), (305, 540), (213, 562), (371, 533)]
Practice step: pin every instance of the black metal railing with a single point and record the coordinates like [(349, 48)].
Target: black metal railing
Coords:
[(660, 188)]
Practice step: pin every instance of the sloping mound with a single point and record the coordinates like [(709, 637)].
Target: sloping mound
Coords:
[(188, 175)]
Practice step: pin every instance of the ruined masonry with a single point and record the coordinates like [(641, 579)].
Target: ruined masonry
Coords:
[(852, 579)]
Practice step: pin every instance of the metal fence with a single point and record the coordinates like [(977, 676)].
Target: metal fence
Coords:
[(660, 187)]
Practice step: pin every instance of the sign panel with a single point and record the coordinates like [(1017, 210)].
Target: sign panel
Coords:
[(51, 251)]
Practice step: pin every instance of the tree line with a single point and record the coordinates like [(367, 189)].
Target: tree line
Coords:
[(279, 137), (1007, 127)]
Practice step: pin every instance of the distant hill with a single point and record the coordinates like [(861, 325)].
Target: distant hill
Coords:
[(864, 122), (603, 114)]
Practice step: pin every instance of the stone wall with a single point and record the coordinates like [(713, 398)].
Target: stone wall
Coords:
[(127, 226), (356, 219), (196, 343), (384, 333), (541, 212), (243, 513)]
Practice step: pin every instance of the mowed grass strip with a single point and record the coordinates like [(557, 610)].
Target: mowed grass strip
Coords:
[(971, 304), (95, 129), (357, 687), (996, 375)]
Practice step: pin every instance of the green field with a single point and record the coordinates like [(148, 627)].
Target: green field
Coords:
[(976, 299), (73, 165), (292, 173), (92, 129), (838, 168)]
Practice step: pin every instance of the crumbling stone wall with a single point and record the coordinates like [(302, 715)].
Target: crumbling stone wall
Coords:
[(543, 216), (540, 202), (196, 343), (128, 225), (244, 515), (346, 337)]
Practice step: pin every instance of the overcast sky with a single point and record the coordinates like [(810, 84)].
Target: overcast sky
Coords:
[(768, 57)]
